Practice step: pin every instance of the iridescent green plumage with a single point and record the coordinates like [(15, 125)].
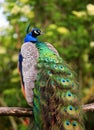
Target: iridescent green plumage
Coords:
[(56, 94)]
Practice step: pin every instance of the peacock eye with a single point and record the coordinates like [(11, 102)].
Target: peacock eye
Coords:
[(42, 84), (38, 31), (63, 80), (69, 95), (71, 108), (50, 73), (65, 109), (73, 85), (67, 80), (55, 66), (69, 73), (67, 123), (74, 123), (61, 67)]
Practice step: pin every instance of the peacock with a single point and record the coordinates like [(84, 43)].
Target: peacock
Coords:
[(49, 86)]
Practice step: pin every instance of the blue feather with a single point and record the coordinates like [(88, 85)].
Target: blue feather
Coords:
[(20, 67), (30, 38)]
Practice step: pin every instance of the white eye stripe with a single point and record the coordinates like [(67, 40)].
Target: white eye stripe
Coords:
[(36, 32)]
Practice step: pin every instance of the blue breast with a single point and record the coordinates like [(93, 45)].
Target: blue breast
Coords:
[(30, 38), (20, 66)]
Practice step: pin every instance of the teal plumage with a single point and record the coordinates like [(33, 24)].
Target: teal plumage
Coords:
[(56, 93), (56, 100)]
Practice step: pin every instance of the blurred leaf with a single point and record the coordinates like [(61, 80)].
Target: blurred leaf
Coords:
[(2, 50), (79, 14), (62, 30), (90, 9)]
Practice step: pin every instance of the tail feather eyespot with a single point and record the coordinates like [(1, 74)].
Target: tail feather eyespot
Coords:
[(74, 123), (42, 83), (67, 80), (55, 67), (61, 67), (49, 73), (68, 125), (63, 80)]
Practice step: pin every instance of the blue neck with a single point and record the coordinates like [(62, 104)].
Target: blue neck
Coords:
[(30, 38)]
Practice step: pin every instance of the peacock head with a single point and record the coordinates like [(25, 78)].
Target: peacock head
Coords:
[(36, 32)]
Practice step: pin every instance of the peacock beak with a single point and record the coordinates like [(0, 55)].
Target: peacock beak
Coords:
[(41, 33)]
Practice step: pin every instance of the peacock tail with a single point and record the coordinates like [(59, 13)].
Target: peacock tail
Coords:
[(56, 102)]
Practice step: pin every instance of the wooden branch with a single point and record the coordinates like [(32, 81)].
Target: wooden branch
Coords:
[(15, 111), (27, 112), (88, 107)]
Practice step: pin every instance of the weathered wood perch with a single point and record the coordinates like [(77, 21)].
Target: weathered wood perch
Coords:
[(15, 111), (88, 107), (27, 112)]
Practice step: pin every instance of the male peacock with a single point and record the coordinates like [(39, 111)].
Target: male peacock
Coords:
[(49, 85)]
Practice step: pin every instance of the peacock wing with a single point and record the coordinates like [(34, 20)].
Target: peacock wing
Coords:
[(28, 71), (51, 47)]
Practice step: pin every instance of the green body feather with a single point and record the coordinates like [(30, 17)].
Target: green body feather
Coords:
[(56, 94)]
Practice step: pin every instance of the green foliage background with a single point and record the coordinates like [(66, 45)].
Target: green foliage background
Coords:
[(68, 25)]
